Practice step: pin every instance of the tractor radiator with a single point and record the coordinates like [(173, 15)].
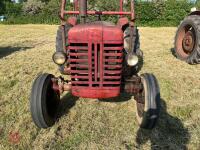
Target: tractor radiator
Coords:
[(96, 69)]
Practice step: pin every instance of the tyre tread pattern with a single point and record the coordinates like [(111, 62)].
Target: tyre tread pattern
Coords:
[(36, 103), (194, 58)]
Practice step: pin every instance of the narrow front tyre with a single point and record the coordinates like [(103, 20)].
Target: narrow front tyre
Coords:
[(148, 107), (44, 101)]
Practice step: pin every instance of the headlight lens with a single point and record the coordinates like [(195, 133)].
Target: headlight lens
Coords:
[(193, 9), (132, 60), (59, 58)]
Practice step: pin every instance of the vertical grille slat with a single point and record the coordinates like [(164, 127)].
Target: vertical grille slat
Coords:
[(94, 50), (98, 61), (96, 64), (101, 65), (90, 53)]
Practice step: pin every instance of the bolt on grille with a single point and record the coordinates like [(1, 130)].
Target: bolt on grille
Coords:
[(96, 64)]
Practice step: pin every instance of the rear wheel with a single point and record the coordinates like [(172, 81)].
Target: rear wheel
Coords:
[(147, 109), (44, 102), (187, 40)]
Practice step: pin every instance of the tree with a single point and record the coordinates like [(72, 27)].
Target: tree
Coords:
[(33, 6), (52, 7), (198, 4), (3, 6), (13, 9)]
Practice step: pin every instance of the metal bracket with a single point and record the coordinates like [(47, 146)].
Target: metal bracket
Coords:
[(134, 87), (60, 84)]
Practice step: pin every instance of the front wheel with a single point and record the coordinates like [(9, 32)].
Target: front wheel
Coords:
[(44, 102), (147, 109)]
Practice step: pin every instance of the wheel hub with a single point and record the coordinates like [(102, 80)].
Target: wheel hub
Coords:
[(134, 87), (188, 42)]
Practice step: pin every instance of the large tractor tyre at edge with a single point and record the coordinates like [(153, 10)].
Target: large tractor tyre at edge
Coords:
[(187, 40), (44, 102), (147, 112), (59, 43)]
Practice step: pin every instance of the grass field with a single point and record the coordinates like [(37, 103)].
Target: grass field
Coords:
[(26, 51)]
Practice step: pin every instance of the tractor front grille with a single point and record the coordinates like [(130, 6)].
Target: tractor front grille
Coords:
[(96, 64)]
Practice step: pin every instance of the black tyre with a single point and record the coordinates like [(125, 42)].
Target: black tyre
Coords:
[(136, 40), (59, 43), (147, 111), (187, 40), (44, 102)]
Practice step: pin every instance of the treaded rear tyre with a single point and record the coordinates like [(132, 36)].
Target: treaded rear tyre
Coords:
[(44, 102), (148, 113), (59, 43), (191, 24)]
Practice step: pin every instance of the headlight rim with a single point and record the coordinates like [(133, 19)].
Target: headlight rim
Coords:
[(128, 60), (61, 54)]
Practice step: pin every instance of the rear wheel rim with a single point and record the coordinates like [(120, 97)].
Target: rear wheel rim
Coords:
[(186, 40)]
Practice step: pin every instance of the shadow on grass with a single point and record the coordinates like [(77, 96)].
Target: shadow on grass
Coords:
[(170, 133), (5, 51), (67, 102), (173, 52)]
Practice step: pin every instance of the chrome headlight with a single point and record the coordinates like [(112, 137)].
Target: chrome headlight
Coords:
[(59, 58), (132, 60), (193, 9)]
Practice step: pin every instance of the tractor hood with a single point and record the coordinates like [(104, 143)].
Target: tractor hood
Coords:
[(95, 32)]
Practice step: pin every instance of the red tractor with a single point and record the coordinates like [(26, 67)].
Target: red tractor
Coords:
[(187, 40), (102, 59)]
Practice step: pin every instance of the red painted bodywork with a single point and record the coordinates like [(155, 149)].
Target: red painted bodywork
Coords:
[(99, 13), (96, 59), (72, 21), (95, 51), (131, 13), (122, 22)]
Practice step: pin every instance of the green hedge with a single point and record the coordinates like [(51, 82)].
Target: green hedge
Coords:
[(28, 19), (168, 13)]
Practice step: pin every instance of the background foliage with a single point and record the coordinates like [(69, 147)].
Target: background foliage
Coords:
[(156, 13)]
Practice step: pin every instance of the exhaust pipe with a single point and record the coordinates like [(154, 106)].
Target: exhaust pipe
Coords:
[(83, 10)]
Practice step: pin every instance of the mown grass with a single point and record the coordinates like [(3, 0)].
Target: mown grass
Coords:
[(93, 124)]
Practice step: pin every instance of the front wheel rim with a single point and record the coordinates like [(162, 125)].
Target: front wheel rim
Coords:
[(142, 107)]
